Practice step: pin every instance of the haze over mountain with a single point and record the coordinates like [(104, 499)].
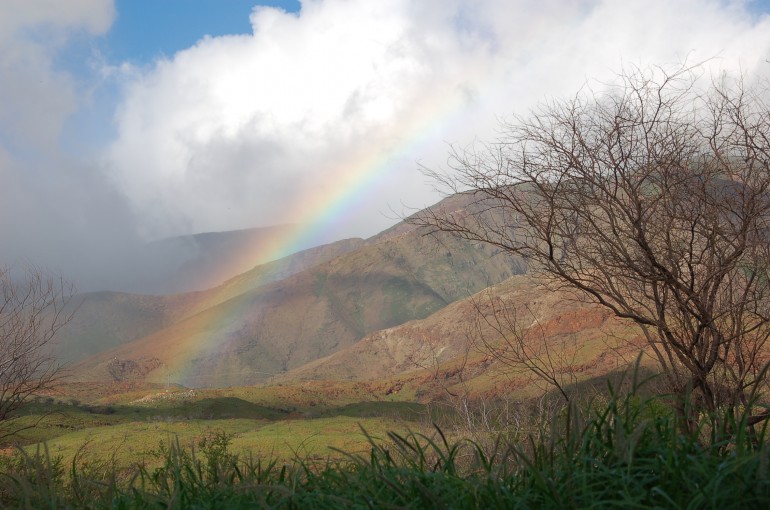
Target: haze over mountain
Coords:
[(201, 261), (403, 309), (281, 315), (107, 319), (127, 121)]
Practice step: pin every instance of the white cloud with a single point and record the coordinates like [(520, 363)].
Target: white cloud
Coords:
[(95, 16), (334, 106), (55, 210), (242, 130), (35, 96)]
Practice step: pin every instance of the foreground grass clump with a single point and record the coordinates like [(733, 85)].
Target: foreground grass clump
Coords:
[(623, 454)]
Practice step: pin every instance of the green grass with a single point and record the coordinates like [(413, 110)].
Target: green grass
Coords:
[(408, 411), (133, 442), (609, 453), (258, 422)]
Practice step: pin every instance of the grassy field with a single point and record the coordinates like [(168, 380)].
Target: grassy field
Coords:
[(278, 423), (139, 441), (619, 452)]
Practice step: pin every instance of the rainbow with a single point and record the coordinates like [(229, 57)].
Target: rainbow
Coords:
[(353, 180)]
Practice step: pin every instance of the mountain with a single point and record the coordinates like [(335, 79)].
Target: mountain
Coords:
[(102, 320), (255, 326), (454, 348), (201, 261), (105, 320)]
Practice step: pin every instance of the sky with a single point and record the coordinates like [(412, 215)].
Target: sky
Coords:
[(123, 122)]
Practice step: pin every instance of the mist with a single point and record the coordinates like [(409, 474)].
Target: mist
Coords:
[(320, 118)]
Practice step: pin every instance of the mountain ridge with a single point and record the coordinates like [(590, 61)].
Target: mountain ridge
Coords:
[(250, 328)]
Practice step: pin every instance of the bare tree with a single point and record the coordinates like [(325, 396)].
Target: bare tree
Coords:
[(522, 346), (32, 309), (478, 416), (652, 200)]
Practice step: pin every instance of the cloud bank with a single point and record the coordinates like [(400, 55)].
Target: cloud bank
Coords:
[(57, 208), (320, 117), (240, 131)]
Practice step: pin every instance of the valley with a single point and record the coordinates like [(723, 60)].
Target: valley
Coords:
[(305, 351)]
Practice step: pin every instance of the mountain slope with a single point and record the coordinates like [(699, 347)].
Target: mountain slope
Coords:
[(106, 320), (103, 320), (201, 261), (452, 350), (284, 324)]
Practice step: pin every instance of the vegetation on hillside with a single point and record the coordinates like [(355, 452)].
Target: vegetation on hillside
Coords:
[(624, 453)]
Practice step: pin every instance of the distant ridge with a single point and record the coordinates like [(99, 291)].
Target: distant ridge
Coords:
[(201, 261), (105, 320), (283, 314)]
